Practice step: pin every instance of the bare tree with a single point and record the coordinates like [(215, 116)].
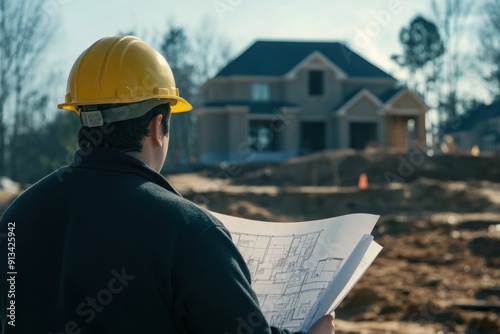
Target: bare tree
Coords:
[(25, 29), (193, 61), (211, 51), (176, 48), (489, 55), (452, 18)]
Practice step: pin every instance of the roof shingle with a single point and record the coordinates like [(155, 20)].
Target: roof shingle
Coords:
[(276, 58)]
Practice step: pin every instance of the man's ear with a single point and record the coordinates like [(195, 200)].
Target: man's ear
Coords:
[(156, 130)]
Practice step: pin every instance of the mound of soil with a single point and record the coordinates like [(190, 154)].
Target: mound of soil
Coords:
[(301, 203), (342, 168)]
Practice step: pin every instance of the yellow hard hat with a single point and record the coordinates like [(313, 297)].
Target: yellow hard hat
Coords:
[(121, 69)]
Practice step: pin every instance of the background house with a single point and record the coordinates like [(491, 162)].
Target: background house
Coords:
[(282, 99), (480, 126)]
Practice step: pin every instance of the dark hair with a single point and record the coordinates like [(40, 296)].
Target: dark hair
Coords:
[(126, 136)]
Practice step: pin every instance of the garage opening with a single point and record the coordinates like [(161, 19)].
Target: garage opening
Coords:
[(363, 134), (312, 137)]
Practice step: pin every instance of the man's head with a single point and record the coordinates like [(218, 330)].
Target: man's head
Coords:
[(127, 135), (145, 136), (124, 90)]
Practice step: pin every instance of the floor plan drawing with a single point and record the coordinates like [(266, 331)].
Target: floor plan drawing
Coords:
[(285, 277), (301, 271)]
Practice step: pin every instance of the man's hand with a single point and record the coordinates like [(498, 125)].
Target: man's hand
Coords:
[(324, 325)]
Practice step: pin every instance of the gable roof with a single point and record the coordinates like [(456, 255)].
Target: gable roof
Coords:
[(316, 56), (363, 93), (390, 93), (277, 58), (404, 91), (383, 97)]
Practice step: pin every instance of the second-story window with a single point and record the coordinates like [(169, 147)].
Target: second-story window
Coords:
[(316, 82), (260, 92)]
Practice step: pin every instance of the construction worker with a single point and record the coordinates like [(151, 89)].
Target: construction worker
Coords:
[(106, 245)]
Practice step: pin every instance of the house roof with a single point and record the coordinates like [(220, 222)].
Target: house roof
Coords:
[(255, 107), (277, 58), (468, 120), (390, 93), (383, 97)]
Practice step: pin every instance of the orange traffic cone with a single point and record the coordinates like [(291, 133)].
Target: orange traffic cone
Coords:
[(363, 181)]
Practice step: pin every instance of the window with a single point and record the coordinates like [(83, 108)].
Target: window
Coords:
[(260, 92), (316, 83), (262, 137)]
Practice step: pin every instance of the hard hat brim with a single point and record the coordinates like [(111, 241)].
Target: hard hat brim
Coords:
[(181, 104)]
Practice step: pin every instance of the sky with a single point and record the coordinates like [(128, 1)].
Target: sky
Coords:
[(369, 27)]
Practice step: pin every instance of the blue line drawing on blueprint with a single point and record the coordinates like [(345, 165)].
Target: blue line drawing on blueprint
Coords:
[(288, 276)]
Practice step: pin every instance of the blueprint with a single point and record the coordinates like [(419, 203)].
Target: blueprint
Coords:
[(294, 265)]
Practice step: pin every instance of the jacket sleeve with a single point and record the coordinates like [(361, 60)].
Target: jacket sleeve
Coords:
[(212, 289)]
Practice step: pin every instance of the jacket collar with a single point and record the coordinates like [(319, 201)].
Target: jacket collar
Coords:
[(113, 160)]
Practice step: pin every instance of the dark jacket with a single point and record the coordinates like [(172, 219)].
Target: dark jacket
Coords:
[(106, 245)]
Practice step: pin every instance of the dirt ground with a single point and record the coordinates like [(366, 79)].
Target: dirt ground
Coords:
[(439, 271)]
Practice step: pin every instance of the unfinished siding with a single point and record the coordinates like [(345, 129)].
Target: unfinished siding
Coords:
[(297, 92), (213, 129), (365, 109), (406, 102)]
